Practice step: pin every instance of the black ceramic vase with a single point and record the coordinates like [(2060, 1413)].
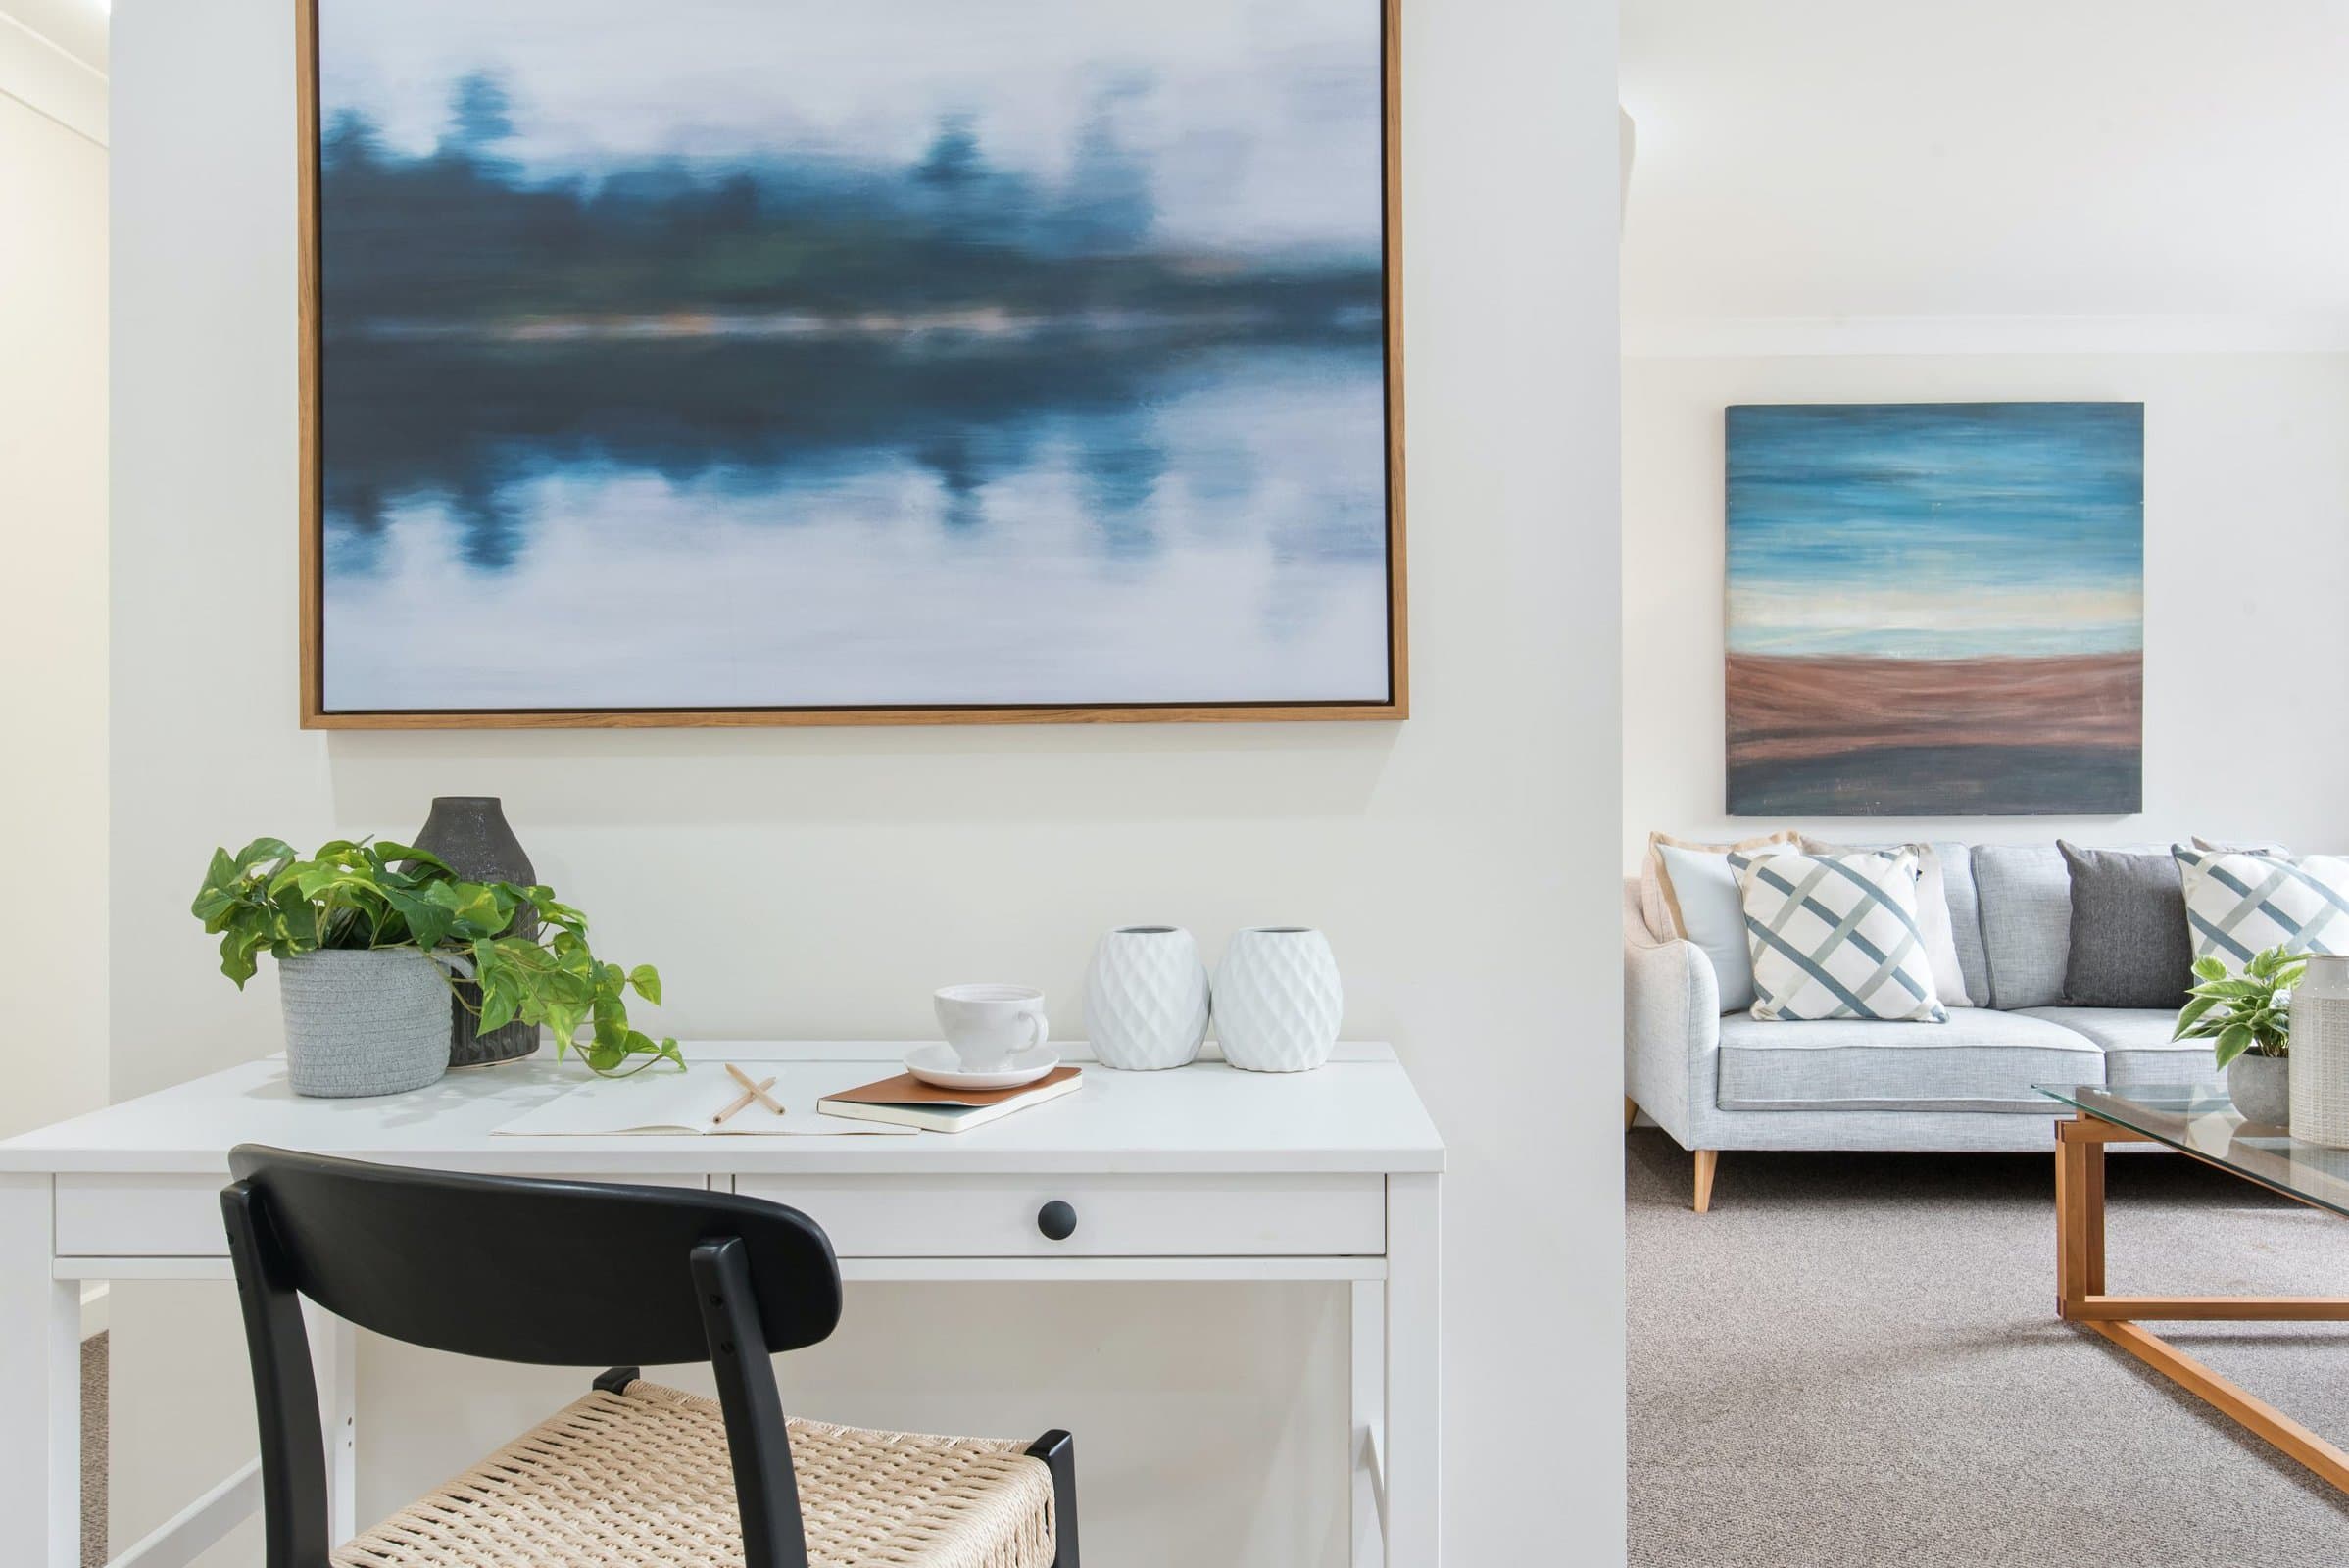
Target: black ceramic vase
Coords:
[(469, 832)]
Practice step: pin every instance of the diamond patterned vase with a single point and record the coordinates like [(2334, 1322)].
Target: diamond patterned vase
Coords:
[(1145, 998), (1278, 1000)]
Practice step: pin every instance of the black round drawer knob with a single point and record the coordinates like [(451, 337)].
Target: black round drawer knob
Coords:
[(1057, 1220)]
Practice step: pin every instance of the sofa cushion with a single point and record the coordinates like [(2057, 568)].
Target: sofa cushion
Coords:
[(1978, 1061), (2238, 905), (2026, 899), (2129, 945), (1965, 918), (1937, 927), (2137, 1048), (1836, 936), (1704, 903)]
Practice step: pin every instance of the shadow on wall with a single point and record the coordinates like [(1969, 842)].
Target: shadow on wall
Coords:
[(1125, 773)]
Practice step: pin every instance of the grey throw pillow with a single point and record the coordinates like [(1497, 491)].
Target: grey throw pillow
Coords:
[(2129, 942)]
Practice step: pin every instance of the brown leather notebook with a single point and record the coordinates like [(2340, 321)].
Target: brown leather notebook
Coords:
[(909, 1102)]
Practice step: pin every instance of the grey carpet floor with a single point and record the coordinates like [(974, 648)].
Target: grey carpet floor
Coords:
[(1854, 1359)]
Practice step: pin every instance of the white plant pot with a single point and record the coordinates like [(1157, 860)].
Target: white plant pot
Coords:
[(1278, 1000), (2319, 1059), (1145, 998)]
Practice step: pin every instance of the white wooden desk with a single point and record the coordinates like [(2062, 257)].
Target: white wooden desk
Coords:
[(1203, 1173)]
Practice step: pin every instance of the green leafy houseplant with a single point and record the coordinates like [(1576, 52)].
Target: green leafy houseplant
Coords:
[(362, 895), (2243, 1011)]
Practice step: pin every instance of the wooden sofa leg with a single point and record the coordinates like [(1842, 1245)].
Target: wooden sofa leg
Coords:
[(1706, 1159), (1631, 1112)]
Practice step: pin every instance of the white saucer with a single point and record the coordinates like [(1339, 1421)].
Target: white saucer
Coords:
[(936, 1063)]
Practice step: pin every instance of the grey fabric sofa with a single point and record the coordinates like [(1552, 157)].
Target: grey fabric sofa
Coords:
[(1728, 1082)]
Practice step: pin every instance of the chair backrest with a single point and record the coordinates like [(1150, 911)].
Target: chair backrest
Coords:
[(552, 1273), (557, 1273)]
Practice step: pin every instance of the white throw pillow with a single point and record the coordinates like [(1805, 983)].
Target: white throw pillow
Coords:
[(1933, 913), (2229, 846), (1836, 936), (2238, 904), (1702, 903)]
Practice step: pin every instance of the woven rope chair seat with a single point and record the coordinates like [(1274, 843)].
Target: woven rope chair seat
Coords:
[(641, 1479)]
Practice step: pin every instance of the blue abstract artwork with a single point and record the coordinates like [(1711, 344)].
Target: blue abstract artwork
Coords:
[(1935, 609), (744, 354)]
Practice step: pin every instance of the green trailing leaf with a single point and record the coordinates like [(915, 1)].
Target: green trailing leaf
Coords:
[(264, 853), (236, 953), (478, 907), (2249, 990), (364, 894), (428, 920), (2245, 1012), (497, 1010)]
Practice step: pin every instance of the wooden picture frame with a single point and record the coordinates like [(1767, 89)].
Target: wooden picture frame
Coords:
[(312, 508)]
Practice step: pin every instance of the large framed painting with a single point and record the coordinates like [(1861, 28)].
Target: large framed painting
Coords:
[(726, 361), (1935, 609)]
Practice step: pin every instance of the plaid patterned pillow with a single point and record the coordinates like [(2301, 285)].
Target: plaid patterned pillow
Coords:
[(2239, 902), (1837, 936)]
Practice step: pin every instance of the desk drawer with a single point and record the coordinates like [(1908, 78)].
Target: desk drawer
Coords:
[(180, 1216), (1115, 1216)]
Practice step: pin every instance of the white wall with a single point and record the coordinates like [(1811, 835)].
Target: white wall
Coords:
[(1833, 159), (52, 593), (2247, 573), (820, 882)]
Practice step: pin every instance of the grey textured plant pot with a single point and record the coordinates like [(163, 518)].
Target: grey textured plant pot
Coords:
[(2261, 1087), (471, 834), (360, 1023)]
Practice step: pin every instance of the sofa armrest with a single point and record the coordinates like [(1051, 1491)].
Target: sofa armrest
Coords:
[(1671, 1024)]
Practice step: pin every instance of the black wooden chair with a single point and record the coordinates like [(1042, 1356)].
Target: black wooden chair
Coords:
[(632, 1474)]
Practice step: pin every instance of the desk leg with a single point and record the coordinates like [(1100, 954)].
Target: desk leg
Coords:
[(1367, 1426), (334, 1365), (41, 1386), (1414, 1356)]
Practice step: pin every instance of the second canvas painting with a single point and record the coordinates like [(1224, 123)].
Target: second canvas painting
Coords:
[(1935, 609), (767, 356)]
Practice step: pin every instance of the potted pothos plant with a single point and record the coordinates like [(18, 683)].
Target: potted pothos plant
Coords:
[(2247, 1015), (366, 936)]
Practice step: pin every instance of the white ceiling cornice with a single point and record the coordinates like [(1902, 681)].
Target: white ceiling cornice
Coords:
[(48, 79), (1722, 337)]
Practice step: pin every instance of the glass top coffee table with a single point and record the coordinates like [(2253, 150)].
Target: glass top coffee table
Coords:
[(2201, 1124)]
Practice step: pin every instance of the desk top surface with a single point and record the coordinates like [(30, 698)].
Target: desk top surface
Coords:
[(1357, 1114)]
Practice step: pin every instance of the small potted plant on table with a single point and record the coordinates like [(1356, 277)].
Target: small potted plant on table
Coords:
[(366, 937), (2247, 1014)]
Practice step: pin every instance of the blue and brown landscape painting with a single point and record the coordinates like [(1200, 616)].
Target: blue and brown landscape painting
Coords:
[(1935, 610), (896, 353)]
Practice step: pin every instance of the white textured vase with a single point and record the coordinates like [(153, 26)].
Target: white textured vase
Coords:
[(2320, 1055), (1145, 998), (1278, 999)]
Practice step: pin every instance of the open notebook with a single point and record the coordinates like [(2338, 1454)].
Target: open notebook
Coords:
[(666, 1101)]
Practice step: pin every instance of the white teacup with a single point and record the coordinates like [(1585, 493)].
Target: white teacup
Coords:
[(987, 1025)]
